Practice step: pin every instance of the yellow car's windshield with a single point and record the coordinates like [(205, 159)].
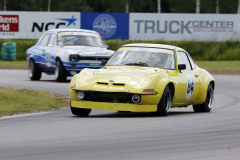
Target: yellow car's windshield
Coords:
[(146, 57)]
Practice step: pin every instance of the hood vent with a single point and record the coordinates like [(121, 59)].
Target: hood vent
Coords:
[(102, 83), (118, 84), (114, 84)]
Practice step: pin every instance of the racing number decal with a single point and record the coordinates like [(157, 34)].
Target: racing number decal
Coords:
[(190, 86)]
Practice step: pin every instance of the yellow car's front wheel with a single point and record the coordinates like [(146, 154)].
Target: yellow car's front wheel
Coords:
[(82, 112), (164, 104)]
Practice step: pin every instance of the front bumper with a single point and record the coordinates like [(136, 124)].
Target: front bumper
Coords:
[(148, 103), (114, 106), (73, 67), (81, 65)]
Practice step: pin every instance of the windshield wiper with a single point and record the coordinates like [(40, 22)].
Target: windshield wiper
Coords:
[(137, 64)]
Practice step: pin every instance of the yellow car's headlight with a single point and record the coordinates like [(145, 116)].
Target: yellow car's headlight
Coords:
[(80, 95)]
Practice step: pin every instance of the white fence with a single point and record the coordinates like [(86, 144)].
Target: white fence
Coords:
[(142, 26)]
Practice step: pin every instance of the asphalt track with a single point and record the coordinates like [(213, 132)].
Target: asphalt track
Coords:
[(109, 135)]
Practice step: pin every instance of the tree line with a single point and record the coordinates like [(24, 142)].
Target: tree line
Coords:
[(148, 6)]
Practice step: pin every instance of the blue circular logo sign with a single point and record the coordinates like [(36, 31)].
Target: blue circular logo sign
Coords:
[(105, 25)]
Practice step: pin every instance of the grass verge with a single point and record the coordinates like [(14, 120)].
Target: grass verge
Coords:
[(13, 64), (215, 67), (18, 101), (220, 65), (201, 51)]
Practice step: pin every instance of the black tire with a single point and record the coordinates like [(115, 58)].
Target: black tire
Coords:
[(60, 72), (82, 112), (207, 105), (33, 72), (164, 104)]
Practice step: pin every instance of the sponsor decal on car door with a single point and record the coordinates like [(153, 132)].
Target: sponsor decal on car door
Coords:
[(190, 87)]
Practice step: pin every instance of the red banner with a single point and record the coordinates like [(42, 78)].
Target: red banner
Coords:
[(9, 23)]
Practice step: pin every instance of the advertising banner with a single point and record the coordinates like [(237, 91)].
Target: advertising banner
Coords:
[(133, 26), (31, 25), (174, 27), (109, 25), (10, 25)]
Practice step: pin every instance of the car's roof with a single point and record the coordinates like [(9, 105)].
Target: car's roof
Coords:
[(151, 45), (72, 30)]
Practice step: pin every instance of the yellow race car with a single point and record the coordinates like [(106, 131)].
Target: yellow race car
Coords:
[(144, 78)]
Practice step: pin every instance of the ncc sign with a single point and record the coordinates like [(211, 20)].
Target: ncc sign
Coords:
[(56, 22), (46, 21), (31, 25)]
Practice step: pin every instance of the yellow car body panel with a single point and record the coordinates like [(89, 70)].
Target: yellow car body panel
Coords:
[(114, 106), (135, 79)]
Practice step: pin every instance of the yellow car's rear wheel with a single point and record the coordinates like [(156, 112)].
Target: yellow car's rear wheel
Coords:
[(207, 105)]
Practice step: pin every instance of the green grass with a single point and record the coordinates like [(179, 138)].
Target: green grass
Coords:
[(201, 51), (208, 65), (219, 65), (18, 101), (13, 64)]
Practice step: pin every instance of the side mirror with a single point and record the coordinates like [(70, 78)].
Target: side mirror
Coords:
[(104, 62), (181, 67)]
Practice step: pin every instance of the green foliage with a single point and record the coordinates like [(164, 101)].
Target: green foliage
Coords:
[(167, 6), (207, 51), (219, 65), (183, 6), (204, 51), (211, 6), (228, 6), (72, 5)]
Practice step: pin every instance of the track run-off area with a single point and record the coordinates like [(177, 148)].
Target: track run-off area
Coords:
[(183, 135)]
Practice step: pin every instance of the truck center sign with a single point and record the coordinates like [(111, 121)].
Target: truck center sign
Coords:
[(199, 27), (132, 26)]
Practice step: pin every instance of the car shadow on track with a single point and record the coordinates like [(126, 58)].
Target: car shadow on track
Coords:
[(136, 115), (54, 81), (49, 81)]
